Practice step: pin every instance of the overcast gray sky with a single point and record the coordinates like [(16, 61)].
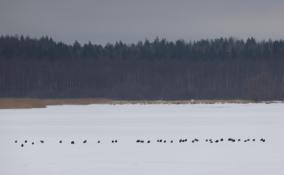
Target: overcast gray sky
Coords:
[(102, 21)]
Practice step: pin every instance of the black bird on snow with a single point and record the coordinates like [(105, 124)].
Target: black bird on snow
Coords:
[(221, 140), (22, 145), (172, 141), (217, 141), (85, 141), (60, 141), (138, 141), (114, 141), (33, 143), (26, 141), (41, 141), (99, 141), (148, 141), (262, 140), (16, 141), (72, 142), (231, 140), (194, 140)]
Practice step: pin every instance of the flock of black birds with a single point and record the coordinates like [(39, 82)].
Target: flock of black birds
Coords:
[(184, 140)]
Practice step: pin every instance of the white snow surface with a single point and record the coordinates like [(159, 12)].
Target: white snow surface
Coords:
[(127, 123)]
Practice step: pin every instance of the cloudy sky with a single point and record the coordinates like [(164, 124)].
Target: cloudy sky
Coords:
[(102, 21)]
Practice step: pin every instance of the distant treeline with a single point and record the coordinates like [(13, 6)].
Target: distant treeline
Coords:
[(224, 68)]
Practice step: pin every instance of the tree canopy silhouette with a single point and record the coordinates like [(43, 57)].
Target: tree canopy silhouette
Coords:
[(223, 68)]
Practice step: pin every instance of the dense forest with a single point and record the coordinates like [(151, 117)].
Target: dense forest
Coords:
[(224, 68)]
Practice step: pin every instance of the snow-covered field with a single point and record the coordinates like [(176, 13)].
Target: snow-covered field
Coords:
[(127, 123)]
